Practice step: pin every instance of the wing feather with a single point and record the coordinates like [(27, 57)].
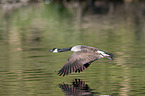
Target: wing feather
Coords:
[(78, 62)]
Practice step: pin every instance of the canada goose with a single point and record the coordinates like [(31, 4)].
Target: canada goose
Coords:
[(82, 57)]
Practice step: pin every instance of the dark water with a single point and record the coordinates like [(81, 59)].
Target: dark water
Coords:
[(28, 69)]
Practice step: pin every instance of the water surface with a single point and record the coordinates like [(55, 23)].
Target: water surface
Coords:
[(27, 68)]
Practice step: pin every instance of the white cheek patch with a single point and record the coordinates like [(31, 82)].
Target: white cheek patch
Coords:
[(55, 51), (103, 53)]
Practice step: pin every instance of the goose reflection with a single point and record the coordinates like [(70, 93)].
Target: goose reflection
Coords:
[(77, 88)]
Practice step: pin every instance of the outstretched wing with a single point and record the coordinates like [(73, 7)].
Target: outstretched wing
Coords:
[(79, 61)]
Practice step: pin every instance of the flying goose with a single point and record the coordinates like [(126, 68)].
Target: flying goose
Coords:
[(82, 57)]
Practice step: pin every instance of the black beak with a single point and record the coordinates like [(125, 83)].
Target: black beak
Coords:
[(50, 50)]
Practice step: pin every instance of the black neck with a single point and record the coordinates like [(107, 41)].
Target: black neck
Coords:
[(64, 49)]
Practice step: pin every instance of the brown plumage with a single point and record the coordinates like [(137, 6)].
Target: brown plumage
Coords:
[(81, 58)]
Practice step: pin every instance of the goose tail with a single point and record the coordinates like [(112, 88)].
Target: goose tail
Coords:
[(106, 55)]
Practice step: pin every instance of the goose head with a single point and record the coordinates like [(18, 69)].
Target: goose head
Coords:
[(54, 50)]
